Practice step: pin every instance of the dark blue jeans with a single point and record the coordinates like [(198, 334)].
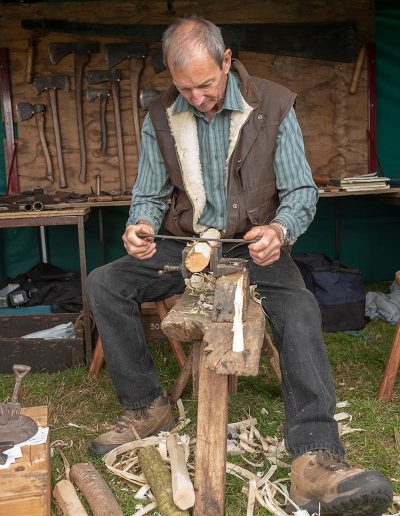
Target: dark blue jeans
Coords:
[(116, 289)]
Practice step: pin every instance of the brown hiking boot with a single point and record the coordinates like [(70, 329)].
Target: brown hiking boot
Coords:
[(322, 478), (136, 424)]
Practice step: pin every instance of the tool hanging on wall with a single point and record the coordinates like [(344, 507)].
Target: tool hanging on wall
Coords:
[(51, 84), (82, 51), (26, 111), (146, 95), (135, 52), (10, 144), (102, 94), (113, 76)]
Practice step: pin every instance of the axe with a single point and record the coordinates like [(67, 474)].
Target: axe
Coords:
[(113, 76), (82, 51), (102, 94), (50, 84), (135, 52), (25, 111), (146, 95)]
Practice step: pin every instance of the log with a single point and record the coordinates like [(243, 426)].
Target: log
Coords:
[(198, 256), (67, 499), (224, 297), (182, 487), (94, 488), (159, 479)]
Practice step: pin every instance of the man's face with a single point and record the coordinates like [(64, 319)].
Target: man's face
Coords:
[(202, 82)]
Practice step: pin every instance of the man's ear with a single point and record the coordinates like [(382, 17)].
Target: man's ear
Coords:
[(226, 65)]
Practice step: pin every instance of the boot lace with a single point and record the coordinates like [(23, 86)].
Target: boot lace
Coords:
[(126, 421), (331, 461)]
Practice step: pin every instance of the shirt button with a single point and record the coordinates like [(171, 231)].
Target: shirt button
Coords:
[(260, 117), (239, 160), (234, 205)]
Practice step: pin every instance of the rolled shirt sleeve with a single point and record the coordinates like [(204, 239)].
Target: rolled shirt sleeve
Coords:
[(152, 189), (298, 194)]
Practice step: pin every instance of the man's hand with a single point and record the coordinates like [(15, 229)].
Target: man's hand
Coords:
[(268, 249), (141, 248)]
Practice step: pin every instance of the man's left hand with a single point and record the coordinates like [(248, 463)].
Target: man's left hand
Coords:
[(268, 249)]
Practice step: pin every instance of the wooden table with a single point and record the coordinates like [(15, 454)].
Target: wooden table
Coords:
[(213, 361), (73, 216), (25, 485)]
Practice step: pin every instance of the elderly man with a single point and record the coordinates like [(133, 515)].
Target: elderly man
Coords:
[(222, 149)]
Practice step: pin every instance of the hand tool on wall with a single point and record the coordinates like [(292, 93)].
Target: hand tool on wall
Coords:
[(332, 41), (135, 52), (29, 60), (357, 70), (26, 111), (146, 95), (102, 94), (51, 84), (113, 76), (10, 144), (81, 51)]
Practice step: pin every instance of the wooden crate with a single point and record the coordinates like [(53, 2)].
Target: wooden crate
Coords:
[(25, 485), (41, 354)]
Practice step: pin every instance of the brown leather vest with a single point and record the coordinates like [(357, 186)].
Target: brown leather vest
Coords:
[(252, 198)]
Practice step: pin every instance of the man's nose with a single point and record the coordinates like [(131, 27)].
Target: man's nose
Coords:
[(197, 97)]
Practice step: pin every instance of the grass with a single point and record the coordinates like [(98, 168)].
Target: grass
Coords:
[(357, 362)]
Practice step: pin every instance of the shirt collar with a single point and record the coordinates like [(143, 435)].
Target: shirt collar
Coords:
[(233, 100)]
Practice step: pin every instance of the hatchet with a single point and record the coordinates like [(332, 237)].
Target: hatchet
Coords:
[(25, 111), (102, 94), (82, 51), (135, 52), (113, 76), (51, 83), (146, 95)]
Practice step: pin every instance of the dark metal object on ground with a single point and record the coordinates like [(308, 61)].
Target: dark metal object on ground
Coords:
[(82, 51), (135, 52), (113, 76), (25, 111), (7, 445), (6, 107), (15, 427), (50, 84), (102, 94), (332, 41)]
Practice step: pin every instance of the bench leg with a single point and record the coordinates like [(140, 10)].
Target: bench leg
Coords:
[(212, 420)]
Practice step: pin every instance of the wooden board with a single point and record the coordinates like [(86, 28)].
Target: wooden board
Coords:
[(25, 485), (333, 121)]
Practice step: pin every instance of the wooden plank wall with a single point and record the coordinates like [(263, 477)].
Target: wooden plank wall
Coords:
[(333, 121)]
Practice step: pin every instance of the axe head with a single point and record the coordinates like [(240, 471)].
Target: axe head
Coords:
[(94, 93), (51, 82), (25, 111), (59, 50), (146, 95), (98, 76), (117, 52)]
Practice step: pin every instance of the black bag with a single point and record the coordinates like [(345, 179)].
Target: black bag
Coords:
[(338, 290)]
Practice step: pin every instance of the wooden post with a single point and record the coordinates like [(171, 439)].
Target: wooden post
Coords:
[(391, 370), (212, 419)]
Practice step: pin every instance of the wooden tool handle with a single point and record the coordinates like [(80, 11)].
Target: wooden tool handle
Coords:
[(120, 141), (57, 136), (136, 67), (81, 59), (103, 125), (182, 487), (29, 62), (67, 499), (39, 117), (357, 70), (93, 487)]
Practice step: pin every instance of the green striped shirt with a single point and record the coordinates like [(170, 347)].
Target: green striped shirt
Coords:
[(296, 189)]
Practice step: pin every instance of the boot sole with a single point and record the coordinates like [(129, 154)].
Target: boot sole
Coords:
[(98, 449), (372, 499)]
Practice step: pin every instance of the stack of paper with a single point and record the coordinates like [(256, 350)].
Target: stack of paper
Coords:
[(362, 183)]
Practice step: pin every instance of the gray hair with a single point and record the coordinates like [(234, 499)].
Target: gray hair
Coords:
[(201, 33)]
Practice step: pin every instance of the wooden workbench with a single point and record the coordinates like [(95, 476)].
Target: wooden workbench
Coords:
[(25, 485)]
